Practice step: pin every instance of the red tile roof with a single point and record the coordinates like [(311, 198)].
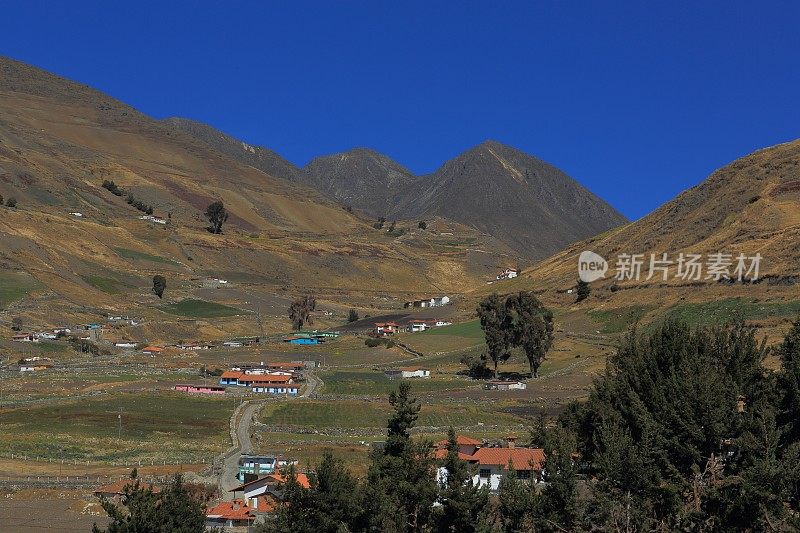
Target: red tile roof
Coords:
[(441, 453), (461, 440), (520, 458), (270, 378), (231, 374), (302, 479), (153, 349), (235, 510)]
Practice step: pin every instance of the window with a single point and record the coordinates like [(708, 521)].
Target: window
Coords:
[(484, 472)]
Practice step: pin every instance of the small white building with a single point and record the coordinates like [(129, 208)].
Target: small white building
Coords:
[(408, 372), (416, 326), (125, 345), (499, 384), (507, 274)]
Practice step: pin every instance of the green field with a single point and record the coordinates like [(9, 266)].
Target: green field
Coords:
[(469, 330), (201, 309), (133, 254), (376, 383), (15, 286), (109, 285), (618, 320), (359, 414), (153, 425), (730, 309)]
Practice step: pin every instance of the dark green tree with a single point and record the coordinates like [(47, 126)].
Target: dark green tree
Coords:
[(422, 224), (531, 327), (143, 511), (514, 503), (582, 291), (216, 215), (352, 316), (462, 502), (494, 318), (159, 285), (11, 202)]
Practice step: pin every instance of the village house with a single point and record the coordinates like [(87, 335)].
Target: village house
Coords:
[(386, 328), (230, 514), (153, 350), (493, 464), (508, 273), (299, 339), (230, 377), (34, 367), (436, 301), (273, 384), (416, 326), (408, 372), (200, 389), (125, 345), (499, 384), (25, 337), (294, 368), (257, 465), (265, 492), (441, 323)]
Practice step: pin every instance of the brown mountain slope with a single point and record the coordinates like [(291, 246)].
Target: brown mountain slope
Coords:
[(255, 156), (361, 178), (751, 206), (528, 204), (59, 140)]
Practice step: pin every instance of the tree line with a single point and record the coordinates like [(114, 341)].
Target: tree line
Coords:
[(686, 430)]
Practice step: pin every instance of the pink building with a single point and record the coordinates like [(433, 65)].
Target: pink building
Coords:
[(201, 389)]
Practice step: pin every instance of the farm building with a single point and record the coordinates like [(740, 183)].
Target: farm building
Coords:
[(418, 325), (263, 493), (508, 273), (34, 367), (25, 337), (230, 377), (261, 464), (153, 350), (297, 339), (126, 345), (435, 301), (408, 372), (293, 367), (499, 384), (492, 462), (200, 389), (230, 514), (386, 328)]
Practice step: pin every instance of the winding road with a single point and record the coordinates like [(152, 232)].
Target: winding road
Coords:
[(241, 420)]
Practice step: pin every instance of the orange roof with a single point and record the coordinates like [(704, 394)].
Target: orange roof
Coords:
[(235, 510), (461, 440), (302, 479), (118, 487), (520, 458), (153, 349), (265, 505), (441, 453), (230, 374), (270, 378)]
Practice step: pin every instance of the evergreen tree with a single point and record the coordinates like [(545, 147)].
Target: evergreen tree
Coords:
[(462, 502), (352, 316), (513, 503), (582, 291), (159, 285)]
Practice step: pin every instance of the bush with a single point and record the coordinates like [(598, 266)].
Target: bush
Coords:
[(352, 316), (11, 202), (422, 225), (373, 342)]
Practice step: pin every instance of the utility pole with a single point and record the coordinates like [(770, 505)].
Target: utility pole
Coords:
[(119, 432)]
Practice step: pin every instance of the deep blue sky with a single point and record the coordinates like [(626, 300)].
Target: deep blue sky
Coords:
[(636, 100)]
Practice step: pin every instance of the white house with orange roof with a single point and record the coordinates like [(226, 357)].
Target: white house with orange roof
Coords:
[(408, 372)]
